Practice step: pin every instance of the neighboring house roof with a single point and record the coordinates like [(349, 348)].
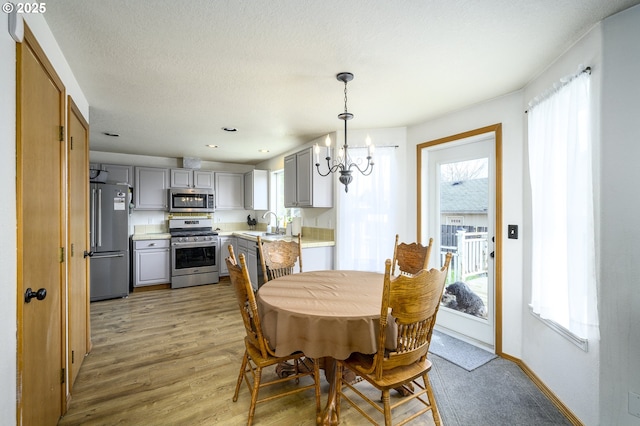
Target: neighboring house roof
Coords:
[(468, 196)]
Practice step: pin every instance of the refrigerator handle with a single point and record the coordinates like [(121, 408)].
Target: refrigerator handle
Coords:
[(99, 217), (93, 218)]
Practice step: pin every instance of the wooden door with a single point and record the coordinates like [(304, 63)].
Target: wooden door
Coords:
[(78, 242), (39, 159)]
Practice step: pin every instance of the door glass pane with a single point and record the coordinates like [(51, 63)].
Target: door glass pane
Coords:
[(464, 198)]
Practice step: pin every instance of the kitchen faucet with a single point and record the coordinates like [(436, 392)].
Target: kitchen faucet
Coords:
[(274, 215)]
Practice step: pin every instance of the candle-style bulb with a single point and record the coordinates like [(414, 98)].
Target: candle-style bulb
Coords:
[(327, 141)]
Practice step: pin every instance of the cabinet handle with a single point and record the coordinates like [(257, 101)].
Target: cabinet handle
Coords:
[(152, 244)]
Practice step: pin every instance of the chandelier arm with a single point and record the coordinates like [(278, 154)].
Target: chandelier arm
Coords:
[(367, 170), (330, 168)]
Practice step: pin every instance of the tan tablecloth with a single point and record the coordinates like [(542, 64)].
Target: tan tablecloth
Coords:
[(322, 313)]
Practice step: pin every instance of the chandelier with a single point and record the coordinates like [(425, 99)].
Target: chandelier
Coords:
[(343, 163)]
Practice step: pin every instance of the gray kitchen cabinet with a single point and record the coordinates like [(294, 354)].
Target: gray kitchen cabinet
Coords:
[(119, 173), (256, 190), (303, 186), (250, 250), (150, 189), (189, 178), (229, 191), (151, 262), (225, 242)]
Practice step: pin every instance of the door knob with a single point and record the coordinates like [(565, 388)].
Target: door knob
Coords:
[(30, 294)]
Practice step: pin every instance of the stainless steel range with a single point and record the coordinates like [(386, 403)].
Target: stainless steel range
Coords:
[(194, 251)]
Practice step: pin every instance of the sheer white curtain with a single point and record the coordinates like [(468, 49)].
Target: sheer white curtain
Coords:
[(367, 214), (563, 251)]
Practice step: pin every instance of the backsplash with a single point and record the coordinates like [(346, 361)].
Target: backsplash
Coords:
[(150, 229), (324, 234)]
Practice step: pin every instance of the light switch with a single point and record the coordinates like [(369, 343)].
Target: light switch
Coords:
[(512, 231)]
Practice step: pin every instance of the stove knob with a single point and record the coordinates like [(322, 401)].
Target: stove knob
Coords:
[(181, 239), (195, 238), (207, 238)]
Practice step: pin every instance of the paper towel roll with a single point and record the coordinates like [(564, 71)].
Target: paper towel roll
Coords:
[(296, 226)]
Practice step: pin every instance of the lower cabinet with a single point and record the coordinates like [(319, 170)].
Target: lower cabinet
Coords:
[(225, 242), (317, 259), (250, 250), (151, 262)]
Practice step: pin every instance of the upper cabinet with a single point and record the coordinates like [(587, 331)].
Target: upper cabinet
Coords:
[(256, 190), (150, 189), (119, 173), (229, 191), (303, 186), (188, 178)]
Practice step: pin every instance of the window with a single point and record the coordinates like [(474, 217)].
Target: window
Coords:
[(278, 178), (563, 276), (277, 198)]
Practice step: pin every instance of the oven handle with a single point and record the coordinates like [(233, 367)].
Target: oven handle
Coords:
[(195, 244)]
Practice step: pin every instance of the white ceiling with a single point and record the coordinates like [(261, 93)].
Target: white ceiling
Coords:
[(169, 75)]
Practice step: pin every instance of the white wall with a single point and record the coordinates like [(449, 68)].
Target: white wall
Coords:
[(8, 285), (619, 291), (563, 368), (508, 111)]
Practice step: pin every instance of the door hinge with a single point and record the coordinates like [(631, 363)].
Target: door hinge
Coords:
[(72, 251), (73, 357), (62, 376), (61, 133), (71, 143), (61, 254)]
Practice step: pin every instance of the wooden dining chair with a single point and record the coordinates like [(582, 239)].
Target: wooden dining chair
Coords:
[(412, 302), (410, 258), (278, 258), (258, 355)]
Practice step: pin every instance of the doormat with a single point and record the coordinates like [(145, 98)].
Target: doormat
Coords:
[(458, 352)]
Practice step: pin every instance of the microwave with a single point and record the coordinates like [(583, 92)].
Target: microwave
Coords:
[(185, 200)]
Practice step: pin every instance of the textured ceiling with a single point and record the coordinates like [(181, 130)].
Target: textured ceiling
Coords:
[(169, 75)]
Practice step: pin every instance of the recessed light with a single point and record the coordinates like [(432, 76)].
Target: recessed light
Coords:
[(113, 135), (229, 129), (263, 150), (212, 145)]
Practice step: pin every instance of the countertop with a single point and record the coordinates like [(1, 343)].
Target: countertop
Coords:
[(151, 236), (247, 235), (306, 242)]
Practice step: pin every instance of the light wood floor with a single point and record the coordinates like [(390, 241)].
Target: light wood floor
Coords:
[(171, 357)]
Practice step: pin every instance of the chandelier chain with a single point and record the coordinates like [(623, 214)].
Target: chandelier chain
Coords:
[(345, 97)]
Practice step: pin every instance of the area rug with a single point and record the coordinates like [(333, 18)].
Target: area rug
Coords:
[(458, 352)]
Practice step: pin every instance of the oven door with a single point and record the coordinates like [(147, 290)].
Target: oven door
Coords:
[(193, 257)]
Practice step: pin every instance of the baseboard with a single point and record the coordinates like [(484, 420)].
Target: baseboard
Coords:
[(545, 390), (151, 288)]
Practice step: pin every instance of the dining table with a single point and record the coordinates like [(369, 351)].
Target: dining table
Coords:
[(324, 314)]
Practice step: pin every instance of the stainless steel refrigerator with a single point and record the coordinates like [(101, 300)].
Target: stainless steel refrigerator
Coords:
[(109, 237)]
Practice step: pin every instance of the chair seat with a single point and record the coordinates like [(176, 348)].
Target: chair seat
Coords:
[(262, 362), (391, 379)]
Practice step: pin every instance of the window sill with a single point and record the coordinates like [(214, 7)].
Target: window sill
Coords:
[(571, 337)]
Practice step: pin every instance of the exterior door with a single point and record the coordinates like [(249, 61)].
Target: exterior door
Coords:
[(40, 150), (459, 179), (78, 191)]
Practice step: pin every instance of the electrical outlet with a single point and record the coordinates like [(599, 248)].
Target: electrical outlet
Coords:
[(512, 231), (634, 404)]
